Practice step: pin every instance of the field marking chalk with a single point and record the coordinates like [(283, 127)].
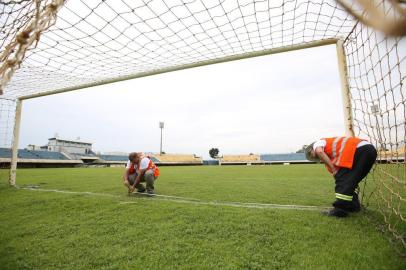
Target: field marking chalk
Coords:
[(164, 196), (185, 200)]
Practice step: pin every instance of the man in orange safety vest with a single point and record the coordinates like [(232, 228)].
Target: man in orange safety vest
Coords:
[(349, 160), (146, 171), (131, 172)]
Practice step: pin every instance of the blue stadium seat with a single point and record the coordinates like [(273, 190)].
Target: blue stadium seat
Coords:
[(113, 158), (284, 157), (5, 153), (31, 154)]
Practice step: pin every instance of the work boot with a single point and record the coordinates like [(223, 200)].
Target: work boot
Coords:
[(335, 212), (141, 190), (356, 205)]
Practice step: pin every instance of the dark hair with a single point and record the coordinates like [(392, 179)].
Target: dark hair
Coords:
[(132, 155)]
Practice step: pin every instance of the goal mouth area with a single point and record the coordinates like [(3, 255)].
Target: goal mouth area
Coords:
[(179, 199)]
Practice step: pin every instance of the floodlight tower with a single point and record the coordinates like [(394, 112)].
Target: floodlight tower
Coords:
[(376, 111), (161, 126)]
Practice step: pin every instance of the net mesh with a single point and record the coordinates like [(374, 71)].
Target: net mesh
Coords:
[(7, 116), (376, 74), (96, 41)]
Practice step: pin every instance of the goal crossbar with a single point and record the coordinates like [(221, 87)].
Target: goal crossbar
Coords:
[(312, 44)]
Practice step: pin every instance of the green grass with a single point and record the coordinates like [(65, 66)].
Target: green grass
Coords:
[(46, 230)]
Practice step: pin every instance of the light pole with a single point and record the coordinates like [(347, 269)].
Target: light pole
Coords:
[(375, 111), (161, 126)]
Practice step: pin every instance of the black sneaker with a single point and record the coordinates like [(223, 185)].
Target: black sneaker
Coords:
[(141, 190), (354, 209), (335, 212), (151, 192), (356, 205)]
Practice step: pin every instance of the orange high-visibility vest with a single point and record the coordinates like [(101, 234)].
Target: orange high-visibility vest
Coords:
[(152, 166), (341, 150), (132, 168)]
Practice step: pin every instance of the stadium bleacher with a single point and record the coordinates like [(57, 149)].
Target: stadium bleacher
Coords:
[(176, 158), (284, 157), (5, 153), (32, 154), (156, 158), (166, 159), (240, 158), (210, 162), (113, 158), (49, 155)]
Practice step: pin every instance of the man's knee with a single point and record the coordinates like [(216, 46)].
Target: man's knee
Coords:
[(149, 175)]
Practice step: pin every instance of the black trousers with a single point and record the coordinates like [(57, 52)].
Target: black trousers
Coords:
[(347, 180)]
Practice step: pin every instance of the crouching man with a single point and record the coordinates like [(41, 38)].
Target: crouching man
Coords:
[(349, 160), (146, 171), (131, 172)]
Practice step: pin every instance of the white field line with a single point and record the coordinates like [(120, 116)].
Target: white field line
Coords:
[(231, 178), (166, 196), (245, 205), (187, 200)]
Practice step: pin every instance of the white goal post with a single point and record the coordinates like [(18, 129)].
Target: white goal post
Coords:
[(341, 63)]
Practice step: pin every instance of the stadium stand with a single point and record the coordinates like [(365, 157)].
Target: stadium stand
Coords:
[(49, 155), (113, 158), (284, 158), (210, 162), (5, 152), (176, 159), (166, 159), (240, 159), (396, 155), (86, 158), (119, 159), (36, 158), (32, 154), (154, 159)]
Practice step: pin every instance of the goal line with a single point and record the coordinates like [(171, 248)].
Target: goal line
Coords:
[(185, 200)]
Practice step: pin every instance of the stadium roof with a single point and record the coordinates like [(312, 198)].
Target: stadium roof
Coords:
[(66, 140)]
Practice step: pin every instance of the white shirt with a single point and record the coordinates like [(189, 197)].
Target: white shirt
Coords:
[(144, 163), (322, 143)]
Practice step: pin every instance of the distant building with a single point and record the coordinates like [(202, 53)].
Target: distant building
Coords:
[(70, 146), (33, 147)]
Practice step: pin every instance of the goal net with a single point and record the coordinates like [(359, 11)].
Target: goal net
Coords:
[(53, 46), (376, 73)]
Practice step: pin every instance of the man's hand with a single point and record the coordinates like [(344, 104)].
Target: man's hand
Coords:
[(326, 160)]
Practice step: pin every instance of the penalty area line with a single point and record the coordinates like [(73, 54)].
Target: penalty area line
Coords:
[(185, 200)]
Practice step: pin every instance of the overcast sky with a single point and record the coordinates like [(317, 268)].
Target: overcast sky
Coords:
[(269, 104)]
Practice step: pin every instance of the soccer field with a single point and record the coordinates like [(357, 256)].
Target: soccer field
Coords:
[(229, 217)]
